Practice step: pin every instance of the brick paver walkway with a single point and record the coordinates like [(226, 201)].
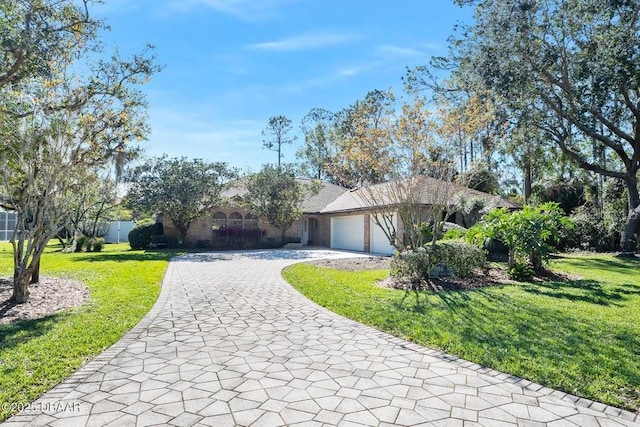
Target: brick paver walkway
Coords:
[(229, 342)]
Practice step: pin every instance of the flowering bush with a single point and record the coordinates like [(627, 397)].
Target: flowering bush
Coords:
[(238, 236)]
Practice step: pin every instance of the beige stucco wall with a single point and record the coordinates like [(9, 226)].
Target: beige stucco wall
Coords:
[(201, 230)]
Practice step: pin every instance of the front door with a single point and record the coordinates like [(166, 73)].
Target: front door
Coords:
[(304, 232)]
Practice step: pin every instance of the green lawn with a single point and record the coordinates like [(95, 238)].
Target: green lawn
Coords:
[(581, 336), (35, 355)]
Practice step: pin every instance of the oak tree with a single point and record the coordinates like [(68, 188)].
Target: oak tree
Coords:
[(576, 63), (181, 189)]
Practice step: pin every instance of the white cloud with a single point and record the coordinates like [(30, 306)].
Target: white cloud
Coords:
[(242, 9), (304, 42), (398, 51), (194, 133), (432, 46), (355, 70)]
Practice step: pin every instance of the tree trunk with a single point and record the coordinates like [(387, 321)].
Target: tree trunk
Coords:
[(35, 277), (627, 239), (512, 259), (536, 261), (527, 181), (283, 233), (21, 281)]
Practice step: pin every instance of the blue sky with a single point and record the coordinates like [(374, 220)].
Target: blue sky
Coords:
[(232, 64)]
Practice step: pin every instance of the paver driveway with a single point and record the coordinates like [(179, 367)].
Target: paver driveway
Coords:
[(229, 342)]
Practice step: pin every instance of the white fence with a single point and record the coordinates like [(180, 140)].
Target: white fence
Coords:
[(119, 231)]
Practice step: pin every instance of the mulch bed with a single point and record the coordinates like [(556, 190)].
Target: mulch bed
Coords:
[(49, 296), (489, 277)]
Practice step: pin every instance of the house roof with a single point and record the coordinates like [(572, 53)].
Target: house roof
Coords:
[(425, 190), (314, 204)]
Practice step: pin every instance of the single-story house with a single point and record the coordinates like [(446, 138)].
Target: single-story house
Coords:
[(335, 217)]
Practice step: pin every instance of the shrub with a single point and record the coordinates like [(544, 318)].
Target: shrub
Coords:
[(454, 233), (237, 237), (520, 271), (461, 258), (530, 233), (172, 242), (411, 264), (81, 242), (140, 235), (98, 245), (590, 231), (95, 244)]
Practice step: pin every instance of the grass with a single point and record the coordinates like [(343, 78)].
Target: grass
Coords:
[(579, 336), (37, 354)]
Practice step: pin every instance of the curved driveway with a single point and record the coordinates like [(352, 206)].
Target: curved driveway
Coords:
[(229, 342)]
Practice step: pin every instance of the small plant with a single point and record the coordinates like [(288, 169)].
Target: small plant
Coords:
[(95, 244), (520, 271), (81, 243)]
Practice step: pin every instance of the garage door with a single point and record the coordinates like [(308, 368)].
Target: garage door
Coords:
[(347, 232), (379, 241)]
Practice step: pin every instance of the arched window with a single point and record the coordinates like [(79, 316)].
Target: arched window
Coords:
[(251, 222), (219, 219), (235, 220)]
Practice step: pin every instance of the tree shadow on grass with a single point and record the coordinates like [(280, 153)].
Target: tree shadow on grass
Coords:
[(13, 334), (589, 291), (621, 265), (161, 255)]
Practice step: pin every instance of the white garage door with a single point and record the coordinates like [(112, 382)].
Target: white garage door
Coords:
[(379, 241), (347, 232)]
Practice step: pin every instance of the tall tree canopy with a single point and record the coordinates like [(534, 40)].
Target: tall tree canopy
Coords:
[(183, 190), (573, 67), (276, 134), (59, 114), (276, 195)]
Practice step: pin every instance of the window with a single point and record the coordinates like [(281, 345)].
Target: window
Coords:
[(7, 224), (251, 222), (219, 219), (235, 220)]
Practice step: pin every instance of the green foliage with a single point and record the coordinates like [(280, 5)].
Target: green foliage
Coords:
[(276, 195), (461, 258), (480, 177), (81, 243), (529, 233), (589, 231), (96, 244), (276, 135), (316, 152), (454, 233), (579, 336), (567, 73), (520, 271), (140, 235), (183, 190), (568, 194)]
